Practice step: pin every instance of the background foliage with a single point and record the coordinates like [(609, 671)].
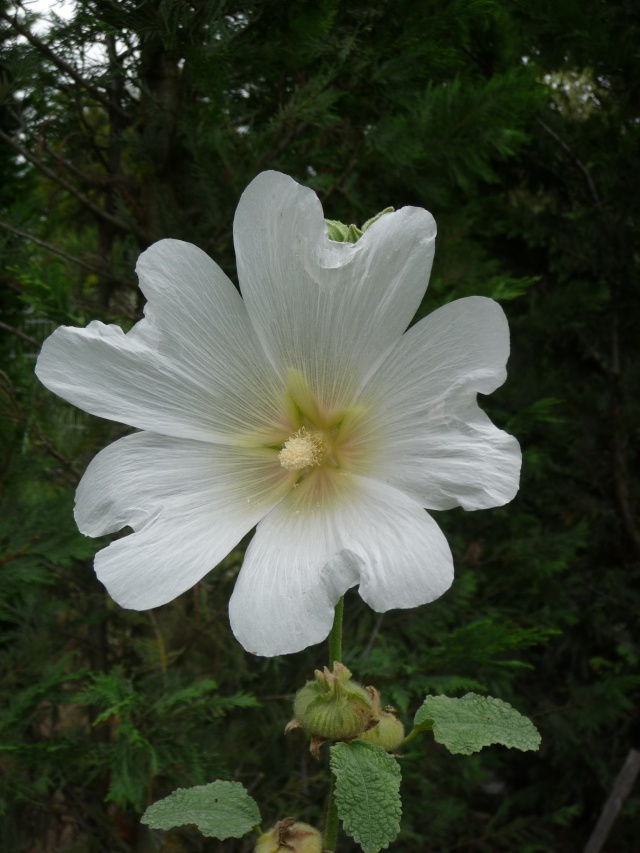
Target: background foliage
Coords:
[(517, 123)]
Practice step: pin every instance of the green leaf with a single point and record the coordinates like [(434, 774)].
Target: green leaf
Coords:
[(367, 793), (219, 810), (472, 722)]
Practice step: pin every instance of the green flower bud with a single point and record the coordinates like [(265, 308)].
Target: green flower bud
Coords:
[(387, 731), (333, 707), (342, 233), (289, 835)]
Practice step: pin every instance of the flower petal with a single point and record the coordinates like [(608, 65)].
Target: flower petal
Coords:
[(188, 502), (432, 440), (193, 367), (329, 310), (326, 536)]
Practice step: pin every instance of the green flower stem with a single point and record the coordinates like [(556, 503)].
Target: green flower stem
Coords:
[(415, 731), (332, 824), (335, 637)]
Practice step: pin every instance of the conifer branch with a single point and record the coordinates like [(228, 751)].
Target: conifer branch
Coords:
[(89, 180), (62, 64), (118, 223), (54, 250)]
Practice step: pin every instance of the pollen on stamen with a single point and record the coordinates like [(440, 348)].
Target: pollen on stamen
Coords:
[(301, 450)]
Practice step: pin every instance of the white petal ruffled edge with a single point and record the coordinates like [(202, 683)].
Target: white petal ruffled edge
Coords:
[(431, 438), (188, 502), (313, 546), (192, 368), (330, 311)]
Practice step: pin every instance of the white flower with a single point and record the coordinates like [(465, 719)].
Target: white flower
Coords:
[(302, 408)]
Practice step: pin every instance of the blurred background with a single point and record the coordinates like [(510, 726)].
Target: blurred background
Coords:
[(517, 124)]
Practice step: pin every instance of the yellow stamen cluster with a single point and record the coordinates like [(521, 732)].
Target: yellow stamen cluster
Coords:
[(301, 450)]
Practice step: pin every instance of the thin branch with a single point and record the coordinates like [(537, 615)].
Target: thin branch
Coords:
[(621, 481), (120, 224), (99, 152), (623, 492), (38, 438), (98, 181), (92, 181), (625, 781), (16, 554), (49, 248), (12, 331), (619, 437), (70, 468), (71, 92), (62, 64), (278, 147), (585, 171)]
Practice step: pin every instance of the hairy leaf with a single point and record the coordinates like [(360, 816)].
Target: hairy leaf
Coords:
[(367, 793), (472, 722), (219, 810)]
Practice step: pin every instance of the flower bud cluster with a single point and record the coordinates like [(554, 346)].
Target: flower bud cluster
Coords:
[(333, 707)]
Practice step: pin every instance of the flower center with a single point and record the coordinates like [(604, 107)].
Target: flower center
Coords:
[(301, 450)]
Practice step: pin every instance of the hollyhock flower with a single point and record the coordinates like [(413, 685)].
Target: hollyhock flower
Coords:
[(300, 407)]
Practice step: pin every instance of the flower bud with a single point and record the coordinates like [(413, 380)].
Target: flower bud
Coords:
[(342, 233), (289, 835), (387, 731), (333, 707)]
